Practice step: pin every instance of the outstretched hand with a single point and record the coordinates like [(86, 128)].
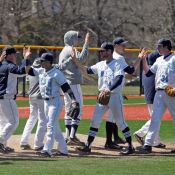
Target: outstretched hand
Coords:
[(26, 52), (3, 55), (143, 54), (73, 53), (87, 38), (74, 58)]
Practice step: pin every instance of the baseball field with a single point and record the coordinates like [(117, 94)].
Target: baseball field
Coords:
[(101, 161)]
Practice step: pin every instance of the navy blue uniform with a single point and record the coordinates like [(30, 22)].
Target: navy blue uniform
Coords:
[(8, 109), (149, 82), (8, 78)]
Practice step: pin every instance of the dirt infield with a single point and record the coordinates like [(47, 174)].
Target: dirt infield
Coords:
[(138, 112), (131, 112), (97, 150)]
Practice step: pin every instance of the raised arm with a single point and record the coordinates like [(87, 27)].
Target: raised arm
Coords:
[(131, 69), (143, 56), (26, 55), (82, 56), (3, 55)]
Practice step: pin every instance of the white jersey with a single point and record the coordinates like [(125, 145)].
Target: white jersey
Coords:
[(50, 81), (165, 71), (107, 73), (120, 59)]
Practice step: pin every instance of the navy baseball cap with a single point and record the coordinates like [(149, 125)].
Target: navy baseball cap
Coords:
[(119, 40), (107, 46), (164, 42), (46, 57), (9, 50)]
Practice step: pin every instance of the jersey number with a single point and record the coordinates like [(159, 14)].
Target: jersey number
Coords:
[(164, 78)]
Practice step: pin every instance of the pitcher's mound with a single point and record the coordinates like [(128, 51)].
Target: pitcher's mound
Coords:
[(98, 149)]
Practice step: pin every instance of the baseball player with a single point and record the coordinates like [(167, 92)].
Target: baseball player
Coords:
[(9, 72), (73, 76), (110, 78), (149, 91), (51, 80), (111, 127), (36, 112), (164, 70)]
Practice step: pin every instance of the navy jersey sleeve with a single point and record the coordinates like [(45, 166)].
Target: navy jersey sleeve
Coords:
[(13, 68), (129, 69), (89, 71)]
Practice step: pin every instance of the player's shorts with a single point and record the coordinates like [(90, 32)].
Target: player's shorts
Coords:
[(149, 88)]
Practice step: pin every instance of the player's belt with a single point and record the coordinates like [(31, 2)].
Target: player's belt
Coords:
[(160, 89), (2, 97), (49, 98)]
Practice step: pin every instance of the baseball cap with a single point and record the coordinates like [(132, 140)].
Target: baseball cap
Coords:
[(107, 46), (46, 57), (37, 63), (119, 40), (164, 42), (9, 50)]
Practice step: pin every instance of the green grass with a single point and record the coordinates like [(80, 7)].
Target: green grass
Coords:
[(130, 101), (92, 89), (166, 133), (127, 90), (21, 103), (90, 166), (120, 165), (137, 165), (129, 165)]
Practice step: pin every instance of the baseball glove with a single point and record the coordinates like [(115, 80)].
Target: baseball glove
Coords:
[(103, 97), (170, 90), (74, 110)]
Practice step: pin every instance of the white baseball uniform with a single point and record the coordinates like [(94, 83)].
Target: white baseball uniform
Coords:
[(121, 60), (50, 83), (36, 113), (149, 92), (106, 75), (164, 69)]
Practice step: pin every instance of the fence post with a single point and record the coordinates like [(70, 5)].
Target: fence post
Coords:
[(24, 86), (141, 87)]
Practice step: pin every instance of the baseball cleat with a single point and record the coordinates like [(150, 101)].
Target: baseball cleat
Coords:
[(139, 139), (38, 148), (10, 150), (75, 141), (145, 149), (43, 154), (127, 151), (85, 149), (66, 140), (58, 153), (25, 147), (160, 145), (3, 149), (112, 146), (173, 151), (120, 141)]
